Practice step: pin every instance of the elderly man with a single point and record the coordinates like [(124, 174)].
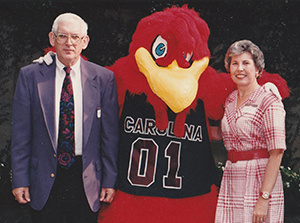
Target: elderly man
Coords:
[(65, 131)]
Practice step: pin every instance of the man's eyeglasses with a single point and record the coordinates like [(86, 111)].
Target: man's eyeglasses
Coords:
[(62, 38)]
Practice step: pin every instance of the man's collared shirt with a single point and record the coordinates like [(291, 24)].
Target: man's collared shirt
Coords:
[(77, 91)]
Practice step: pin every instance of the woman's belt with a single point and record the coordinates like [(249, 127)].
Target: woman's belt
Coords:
[(235, 156)]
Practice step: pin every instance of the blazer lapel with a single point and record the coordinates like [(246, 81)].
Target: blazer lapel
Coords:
[(46, 91), (89, 97)]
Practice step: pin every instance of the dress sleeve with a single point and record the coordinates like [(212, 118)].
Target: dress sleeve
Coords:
[(274, 126)]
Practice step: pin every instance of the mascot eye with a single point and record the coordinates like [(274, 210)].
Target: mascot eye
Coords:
[(159, 47)]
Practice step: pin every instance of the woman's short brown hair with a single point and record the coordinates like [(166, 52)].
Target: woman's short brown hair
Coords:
[(242, 46)]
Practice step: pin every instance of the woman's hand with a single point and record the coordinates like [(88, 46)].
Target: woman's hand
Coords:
[(215, 132), (260, 210), (270, 177)]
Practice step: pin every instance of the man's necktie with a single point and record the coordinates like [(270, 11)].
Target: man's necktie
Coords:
[(66, 142)]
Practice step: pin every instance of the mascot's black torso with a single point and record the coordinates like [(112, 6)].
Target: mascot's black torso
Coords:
[(156, 163)]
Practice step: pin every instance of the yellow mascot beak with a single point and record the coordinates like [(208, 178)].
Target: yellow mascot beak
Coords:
[(176, 86)]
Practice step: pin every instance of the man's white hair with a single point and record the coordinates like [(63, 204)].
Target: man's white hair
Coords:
[(67, 17)]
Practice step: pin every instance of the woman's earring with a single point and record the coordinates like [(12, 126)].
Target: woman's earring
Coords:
[(256, 74)]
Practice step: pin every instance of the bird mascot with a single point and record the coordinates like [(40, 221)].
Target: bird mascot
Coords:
[(165, 89), (168, 98)]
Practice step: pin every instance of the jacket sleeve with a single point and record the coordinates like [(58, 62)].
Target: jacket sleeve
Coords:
[(109, 133), (21, 133)]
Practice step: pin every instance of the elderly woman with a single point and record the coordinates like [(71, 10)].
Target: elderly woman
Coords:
[(253, 132)]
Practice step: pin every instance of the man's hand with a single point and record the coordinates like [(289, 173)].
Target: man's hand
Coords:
[(107, 195), (46, 58), (21, 194)]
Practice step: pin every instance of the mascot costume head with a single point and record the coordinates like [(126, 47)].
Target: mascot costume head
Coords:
[(168, 61), (167, 95)]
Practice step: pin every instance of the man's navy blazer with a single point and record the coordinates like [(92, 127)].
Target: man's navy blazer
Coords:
[(34, 147)]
